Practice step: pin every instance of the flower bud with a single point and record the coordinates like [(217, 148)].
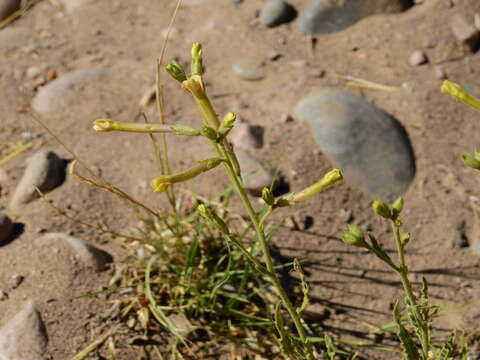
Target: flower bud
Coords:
[(455, 90), (267, 196), (176, 71), (159, 186), (209, 133), (354, 236), (329, 179), (227, 123), (471, 161), (404, 238), (197, 66), (382, 209), (180, 129), (398, 205), (210, 215)]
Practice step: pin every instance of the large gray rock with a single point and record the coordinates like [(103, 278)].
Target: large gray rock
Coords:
[(276, 12), (328, 16), (60, 91), (90, 255), (7, 7), (23, 337), (45, 171), (367, 144)]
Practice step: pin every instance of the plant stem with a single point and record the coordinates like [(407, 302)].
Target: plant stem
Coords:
[(403, 273)]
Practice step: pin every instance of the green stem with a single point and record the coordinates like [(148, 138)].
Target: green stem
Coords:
[(403, 273)]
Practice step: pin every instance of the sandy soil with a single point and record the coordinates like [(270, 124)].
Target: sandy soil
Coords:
[(125, 37)]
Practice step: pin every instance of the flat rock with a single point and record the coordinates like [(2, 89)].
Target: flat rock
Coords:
[(328, 16), (6, 228), (255, 176), (276, 12), (60, 91), (247, 136), (24, 337), (45, 171), (90, 255), (247, 71), (367, 144), (7, 7), (11, 37)]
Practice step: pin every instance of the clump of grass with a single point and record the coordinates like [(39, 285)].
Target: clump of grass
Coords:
[(207, 274)]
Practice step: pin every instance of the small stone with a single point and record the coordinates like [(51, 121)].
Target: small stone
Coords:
[(292, 224), (286, 118), (316, 312), (317, 73), (417, 58), (90, 255), (346, 215), (460, 239), (273, 55), (17, 279), (7, 7), (246, 71), (276, 12), (3, 295), (366, 227), (24, 337), (60, 91), (465, 32), (6, 228), (237, 2), (247, 137), (72, 5), (33, 72), (369, 145), (255, 176), (45, 171), (440, 73)]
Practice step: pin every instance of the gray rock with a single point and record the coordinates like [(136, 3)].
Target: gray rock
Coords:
[(11, 37), (276, 12), (60, 91), (6, 228), (90, 255), (254, 175), (45, 171), (246, 136), (368, 145), (246, 71), (24, 337), (328, 16), (7, 7)]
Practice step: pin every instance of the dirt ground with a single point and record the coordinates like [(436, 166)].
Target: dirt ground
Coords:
[(124, 38)]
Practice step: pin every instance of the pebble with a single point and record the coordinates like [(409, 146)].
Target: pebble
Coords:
[(90, 255), (6, 228), (327, 16), (11, 37), (17, 279), (418, 57), (465, 32), (45, 171), (346, 216), (276, 12), (254, 175), (440, 73), (72, 5), (23, 337), (7, 7), (246, 71), (60, 91), (247, 137), (367, 144), (460, 239)]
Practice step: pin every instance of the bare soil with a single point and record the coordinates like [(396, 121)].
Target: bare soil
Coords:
[(125, 37)]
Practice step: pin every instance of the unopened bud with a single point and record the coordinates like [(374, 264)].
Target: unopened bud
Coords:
[(354, 236), (197, 66), (329, 179), (176, 71), (180, 129), (227, 123), (267, 196), (210, 215), (382, 209), (159, 186), (471, 161), (404, 238), (209, 133), (455, 90)]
